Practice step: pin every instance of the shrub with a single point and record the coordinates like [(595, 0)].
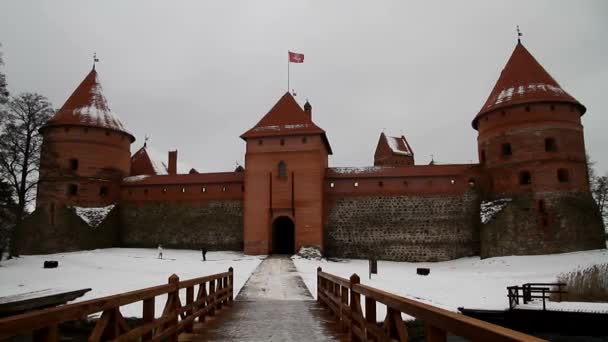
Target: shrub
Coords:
[(586, 285)]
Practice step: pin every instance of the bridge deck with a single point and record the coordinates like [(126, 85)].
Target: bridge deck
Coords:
[(274, 305)]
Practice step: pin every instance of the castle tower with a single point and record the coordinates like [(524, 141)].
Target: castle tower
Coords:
[(285, 163), (85, 151), (393, 151), (531, 146)]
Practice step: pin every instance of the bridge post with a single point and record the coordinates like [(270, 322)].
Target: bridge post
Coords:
[(355, 304), (174, 297), (231, 284), (319, 280)]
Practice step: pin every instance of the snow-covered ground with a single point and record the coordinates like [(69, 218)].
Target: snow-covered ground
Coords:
[(116, 270), (467, 282)]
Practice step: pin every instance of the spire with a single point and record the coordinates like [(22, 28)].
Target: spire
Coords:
[(87, 106), (524, 80), (519, 34)]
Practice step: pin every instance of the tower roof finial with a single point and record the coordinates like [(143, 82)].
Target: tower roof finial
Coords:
[(95, 59), (519, 34)]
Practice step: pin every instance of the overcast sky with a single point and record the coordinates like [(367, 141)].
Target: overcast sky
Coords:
[(195, 75)]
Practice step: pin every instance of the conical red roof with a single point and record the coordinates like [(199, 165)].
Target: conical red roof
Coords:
[(285, 118), (88, 107), (524, 80)]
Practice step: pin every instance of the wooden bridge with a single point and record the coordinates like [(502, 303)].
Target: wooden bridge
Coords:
[(208, 299)]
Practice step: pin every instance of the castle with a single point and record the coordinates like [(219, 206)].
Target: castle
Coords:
[(529, 193)]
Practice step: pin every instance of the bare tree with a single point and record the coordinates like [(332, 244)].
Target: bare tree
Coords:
[(3, 86), (20, 144), (599, 190), (7, 216)]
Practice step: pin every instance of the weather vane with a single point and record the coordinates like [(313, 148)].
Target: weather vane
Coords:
[(95, 59), (519, 34), (146, 138)]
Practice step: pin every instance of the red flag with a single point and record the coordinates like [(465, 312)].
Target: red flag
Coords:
[(296, 57)]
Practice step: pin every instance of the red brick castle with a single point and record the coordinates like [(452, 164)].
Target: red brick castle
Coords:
[(529, 193)]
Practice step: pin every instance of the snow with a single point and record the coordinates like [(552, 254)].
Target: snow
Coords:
[(267, 128), (117, 270), (507, 94), (93, 216), (278, 128), (134, 178), (566, 306), (355, 170), (489, 209), (467, 282), (393, 143)]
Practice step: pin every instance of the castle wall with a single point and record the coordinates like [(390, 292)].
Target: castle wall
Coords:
[(403, 228), (429, 213), (61, 230), (213, 224), (564, 222)]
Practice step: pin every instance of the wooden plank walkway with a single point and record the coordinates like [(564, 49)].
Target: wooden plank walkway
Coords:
[(274, 305)]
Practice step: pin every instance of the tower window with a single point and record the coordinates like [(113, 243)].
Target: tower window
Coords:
[(380, 184), (103, 191), (506, 149), (72, 190), (550, 145), (164, 191), (183, 190), (332, 185), (563, 176), (223, 189), (73, 164), (282, 142), (203, 189), (260, 142), (483, 156), (527, 108), (472, 182), (146, 192), (356, 184), (525, 178), (108, 133), (282, 169), (304, 140)]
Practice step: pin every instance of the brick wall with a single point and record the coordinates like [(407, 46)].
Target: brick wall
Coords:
[(216, 225), (565, 223), (404, 228)]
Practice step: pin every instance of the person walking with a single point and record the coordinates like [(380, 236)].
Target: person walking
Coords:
[(204, 253), (160, 252)]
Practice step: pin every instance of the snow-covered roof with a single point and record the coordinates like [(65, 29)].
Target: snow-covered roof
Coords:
[(399, 145), (524, 80), (87, 106), (146, 162), (286, 117)]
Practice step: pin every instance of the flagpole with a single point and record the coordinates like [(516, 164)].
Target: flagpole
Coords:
[(288, 71)]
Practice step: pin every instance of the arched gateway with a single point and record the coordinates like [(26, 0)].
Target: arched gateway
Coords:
[(283, 236)]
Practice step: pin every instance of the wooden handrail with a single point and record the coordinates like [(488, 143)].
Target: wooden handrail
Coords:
[(212, 293), (362, 326)]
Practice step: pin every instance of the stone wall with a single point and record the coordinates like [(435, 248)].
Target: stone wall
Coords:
[(403, 228), (215, 225), (66, 232), (562, 223)]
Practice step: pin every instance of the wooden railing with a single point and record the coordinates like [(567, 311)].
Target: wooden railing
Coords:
[(212, 293), (343, 298), (531, 291)]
